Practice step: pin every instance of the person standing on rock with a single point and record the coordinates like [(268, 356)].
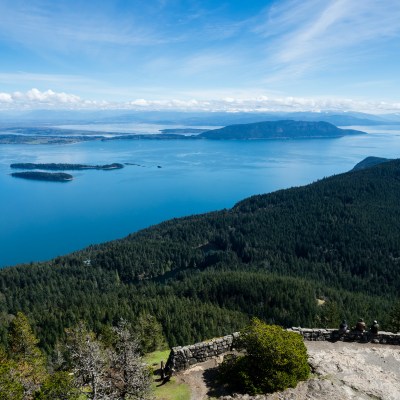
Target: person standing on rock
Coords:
[(360, 327), (343, 327), (374, 328)]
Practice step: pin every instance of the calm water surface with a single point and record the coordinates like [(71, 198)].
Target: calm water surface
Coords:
[(40, 220)]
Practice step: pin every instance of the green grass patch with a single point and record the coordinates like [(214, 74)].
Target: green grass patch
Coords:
[(155, 358), (172, 390)]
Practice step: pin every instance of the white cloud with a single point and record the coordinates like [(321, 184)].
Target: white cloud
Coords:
[(316, 35), (34, 98), (140, 102), (5, 98), (49, 99)]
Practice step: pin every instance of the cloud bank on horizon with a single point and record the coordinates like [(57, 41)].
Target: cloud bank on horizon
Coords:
[(35, 99), (286, 55)]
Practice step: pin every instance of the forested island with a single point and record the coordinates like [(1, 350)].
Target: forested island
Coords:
[(43, 176), (279, 130), (63, 166)]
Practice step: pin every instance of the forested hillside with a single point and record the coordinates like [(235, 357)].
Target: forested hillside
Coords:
[(285, 129), (271, 256)]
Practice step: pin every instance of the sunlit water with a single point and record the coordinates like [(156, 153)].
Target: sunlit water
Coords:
[(40, 220), (122, 128)]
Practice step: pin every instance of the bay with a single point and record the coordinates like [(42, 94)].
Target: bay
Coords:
[(40, 220)]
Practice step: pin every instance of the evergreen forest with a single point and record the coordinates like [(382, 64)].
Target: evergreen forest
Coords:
[(305, 256)]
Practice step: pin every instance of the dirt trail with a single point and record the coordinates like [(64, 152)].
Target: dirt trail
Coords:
[(195, 379), (343, 371), (200, 379)]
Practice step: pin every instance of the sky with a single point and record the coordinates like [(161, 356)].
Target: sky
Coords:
[(283, 55)]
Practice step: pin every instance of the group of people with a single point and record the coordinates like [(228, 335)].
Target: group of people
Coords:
[(360, 327)]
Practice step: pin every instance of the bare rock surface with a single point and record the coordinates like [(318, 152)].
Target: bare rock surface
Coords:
[(341, 371)]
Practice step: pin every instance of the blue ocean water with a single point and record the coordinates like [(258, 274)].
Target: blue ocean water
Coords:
[(40, 220)]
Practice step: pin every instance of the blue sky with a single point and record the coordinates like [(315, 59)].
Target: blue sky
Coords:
[(200, 55)]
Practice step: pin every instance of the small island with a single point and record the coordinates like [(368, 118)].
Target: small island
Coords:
[(44, 176), (63, 166)]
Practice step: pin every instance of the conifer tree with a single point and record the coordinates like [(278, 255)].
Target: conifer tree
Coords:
[(10, 386), (394, 318), (30, 363), (150, 333)]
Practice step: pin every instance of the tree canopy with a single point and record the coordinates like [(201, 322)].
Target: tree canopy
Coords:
[(88, 368), (274, 360)]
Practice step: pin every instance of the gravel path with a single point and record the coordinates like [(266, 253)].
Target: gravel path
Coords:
[(341, 371), (195, 377)]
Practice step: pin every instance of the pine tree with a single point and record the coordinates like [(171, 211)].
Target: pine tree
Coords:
[(150, 333), (10, 386), (394, 318), (30, 363)]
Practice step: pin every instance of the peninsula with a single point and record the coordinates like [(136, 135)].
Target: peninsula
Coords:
[(183, 131), (43, 176), (63, 167)]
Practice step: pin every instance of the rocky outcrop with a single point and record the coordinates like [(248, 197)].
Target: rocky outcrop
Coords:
[(344, 371)]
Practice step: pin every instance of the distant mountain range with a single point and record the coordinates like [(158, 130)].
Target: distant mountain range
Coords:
[(279, 130), (48, 117)]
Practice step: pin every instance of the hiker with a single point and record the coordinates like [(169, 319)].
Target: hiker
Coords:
[(343, 327), (374, 328), (360, 327)]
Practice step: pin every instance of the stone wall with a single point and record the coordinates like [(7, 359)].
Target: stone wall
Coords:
[(183, 357), (351, 336)]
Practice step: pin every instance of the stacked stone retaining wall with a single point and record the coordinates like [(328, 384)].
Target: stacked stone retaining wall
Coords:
[(183, 357), (350, 336)]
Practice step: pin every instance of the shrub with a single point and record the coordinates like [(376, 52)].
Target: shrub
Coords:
[(275, 360)]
